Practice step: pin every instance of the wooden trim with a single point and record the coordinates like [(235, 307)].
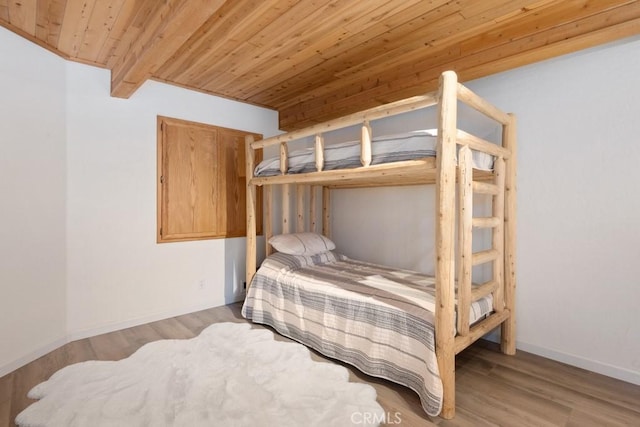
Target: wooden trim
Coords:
[(313, 208), (43, 44), (481, 291), (396, 173), (480, 144), (445, 234), (365, 144), (284, 158), (326, 211), (465, 234), (485, 188), (487, 222), (470, 98), (480, 329), (300, 195), (482, 257), (508, 330), (159, 178), (251, 213), (286, 208), (319, 152), (268, 219), (497, 237)]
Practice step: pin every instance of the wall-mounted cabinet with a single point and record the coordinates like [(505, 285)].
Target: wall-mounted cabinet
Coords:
[(201, 181)]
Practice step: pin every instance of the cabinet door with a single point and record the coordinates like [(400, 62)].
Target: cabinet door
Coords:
[(201, 182)]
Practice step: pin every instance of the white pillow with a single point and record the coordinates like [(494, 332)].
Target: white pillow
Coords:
[(301, 243)]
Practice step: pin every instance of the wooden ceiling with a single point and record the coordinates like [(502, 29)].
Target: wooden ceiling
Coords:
[(313, 60)]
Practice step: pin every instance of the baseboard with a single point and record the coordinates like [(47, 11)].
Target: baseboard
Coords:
[(91, 332), (116, 326), (30, 357), (240, 297), (622, 374)]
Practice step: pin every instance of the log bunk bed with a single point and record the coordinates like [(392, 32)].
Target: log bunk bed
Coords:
[(456, 179)]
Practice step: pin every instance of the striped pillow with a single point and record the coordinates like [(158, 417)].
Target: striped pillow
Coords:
[(301, 243)]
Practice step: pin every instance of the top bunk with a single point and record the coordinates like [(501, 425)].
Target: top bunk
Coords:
[(400, 159)]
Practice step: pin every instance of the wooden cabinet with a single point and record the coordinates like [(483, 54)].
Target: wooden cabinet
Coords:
[(201, 181)]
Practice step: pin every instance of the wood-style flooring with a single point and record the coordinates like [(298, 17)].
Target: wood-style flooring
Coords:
[(492, 389)]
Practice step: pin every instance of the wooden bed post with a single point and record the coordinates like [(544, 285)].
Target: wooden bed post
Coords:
[(313, 208), (251, 212), (319, 152), (286, 208), (268, 218), (508, 330), (465, 236), (445, 235), (300, 196), (326, 211), (365, 144)]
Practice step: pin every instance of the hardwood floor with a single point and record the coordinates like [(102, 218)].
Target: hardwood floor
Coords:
[(492, 389)]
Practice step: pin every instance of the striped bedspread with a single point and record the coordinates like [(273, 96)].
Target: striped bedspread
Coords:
[(375, 318)]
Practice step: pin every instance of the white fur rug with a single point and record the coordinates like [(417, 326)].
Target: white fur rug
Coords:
[(230, 375)]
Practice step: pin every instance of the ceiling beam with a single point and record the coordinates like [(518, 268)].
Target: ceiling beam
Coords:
[(169, 27)]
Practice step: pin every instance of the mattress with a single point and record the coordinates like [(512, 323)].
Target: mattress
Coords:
[(384, 149), (376, 318)]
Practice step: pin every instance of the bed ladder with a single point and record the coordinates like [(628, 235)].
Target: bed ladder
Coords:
[(467, 259)]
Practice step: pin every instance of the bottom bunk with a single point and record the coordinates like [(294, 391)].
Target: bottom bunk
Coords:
[(378, 319)]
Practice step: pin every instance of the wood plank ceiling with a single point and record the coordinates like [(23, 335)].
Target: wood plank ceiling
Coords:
[(313, 60)]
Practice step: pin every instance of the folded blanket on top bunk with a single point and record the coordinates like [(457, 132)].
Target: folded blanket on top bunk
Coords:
[(384, 149), (379, 319)]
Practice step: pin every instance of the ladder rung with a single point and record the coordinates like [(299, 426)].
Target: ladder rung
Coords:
[(484, 256), (481, 291), (485, 188), (487, 222)]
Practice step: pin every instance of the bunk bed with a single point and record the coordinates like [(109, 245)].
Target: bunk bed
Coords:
[(395, 324)]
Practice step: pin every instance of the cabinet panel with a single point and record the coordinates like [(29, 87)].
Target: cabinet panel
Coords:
[(201, 181)]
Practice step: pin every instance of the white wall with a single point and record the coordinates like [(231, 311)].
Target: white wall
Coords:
[(578, 232), (578, 208), (118, 274), (78, 252), (32, 201)]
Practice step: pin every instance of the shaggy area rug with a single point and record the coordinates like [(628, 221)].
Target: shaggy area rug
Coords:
[(229, 375)]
